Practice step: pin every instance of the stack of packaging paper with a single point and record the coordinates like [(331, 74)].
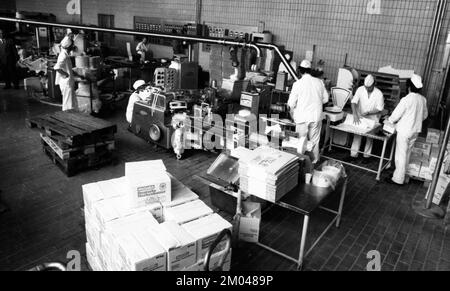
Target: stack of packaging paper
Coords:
[(268, 173), (127, 233)]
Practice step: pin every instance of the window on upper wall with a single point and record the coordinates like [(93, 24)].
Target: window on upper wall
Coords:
[(106, 21)]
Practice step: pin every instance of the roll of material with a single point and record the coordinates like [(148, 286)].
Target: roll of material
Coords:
[(94, 62), (82, 62), (84, 89)]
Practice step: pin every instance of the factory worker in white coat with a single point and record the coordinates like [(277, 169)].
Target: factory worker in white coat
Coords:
[(65, 77), (368, 102), (133, 99), (407, 117), (306, 106)]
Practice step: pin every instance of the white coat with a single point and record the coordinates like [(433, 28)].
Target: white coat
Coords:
[(408, 117), (307, 98), (133, 99), (306, 101), (365, 103), (66, 84)]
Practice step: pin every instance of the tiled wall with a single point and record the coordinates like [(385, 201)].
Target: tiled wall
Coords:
[(399, 36)]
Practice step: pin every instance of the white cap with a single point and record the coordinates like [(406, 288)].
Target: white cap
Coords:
[(66, 42), (305, 64), (138, 84), (417, 81), (369, 81)]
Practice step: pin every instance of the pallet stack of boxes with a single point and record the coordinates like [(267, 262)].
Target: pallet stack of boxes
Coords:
[(424, 156), (424, 159), (149, 221)]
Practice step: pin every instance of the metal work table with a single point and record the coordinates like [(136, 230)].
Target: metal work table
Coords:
[(304, 200), (385, 163)]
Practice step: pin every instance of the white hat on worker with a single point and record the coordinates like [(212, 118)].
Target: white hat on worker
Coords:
[(138, 84), (417, 81), (66, 42), (305, 64), (369, 81)]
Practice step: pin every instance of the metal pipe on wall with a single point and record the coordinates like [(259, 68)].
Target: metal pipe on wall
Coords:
[(132, 32), (442, 7), (210, 40), (432, 37)]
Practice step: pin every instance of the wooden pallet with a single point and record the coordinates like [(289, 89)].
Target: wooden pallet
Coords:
[(73, 152), (72, 129), (73, 166)]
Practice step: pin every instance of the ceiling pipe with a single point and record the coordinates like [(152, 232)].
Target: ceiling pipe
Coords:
[(139, 33), (256, 46), (433, 45)]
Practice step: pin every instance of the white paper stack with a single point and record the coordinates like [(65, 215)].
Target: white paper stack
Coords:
[(187, 212), (205, 230), (147, 183), (363, 127), (268, 173)]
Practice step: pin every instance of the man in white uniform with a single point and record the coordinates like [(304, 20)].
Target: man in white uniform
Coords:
[(408, 117), (306, 104), (143, 49), (133, 99), (65, 75), (368, 102)]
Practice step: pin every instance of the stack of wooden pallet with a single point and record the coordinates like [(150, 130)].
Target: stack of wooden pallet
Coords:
[(390, 85), (76, 141)]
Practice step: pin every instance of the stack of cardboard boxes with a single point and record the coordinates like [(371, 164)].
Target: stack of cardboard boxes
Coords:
[(423, 160), (148, 221)]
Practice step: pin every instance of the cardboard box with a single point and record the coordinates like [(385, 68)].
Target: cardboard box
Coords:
[(154, 250), (205, 230), (433, 136), (389, 128), (441, 189), (422, 147), (119, 227), (187, 212), (148, 188), (185, 253), (250, 222), (413, 168), (144, 167), (136, 258), (213, 263), (180, 194), (95, 192), (92, 258), (426, 173)]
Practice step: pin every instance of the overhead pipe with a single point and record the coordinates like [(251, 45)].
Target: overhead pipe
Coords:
[(431, 39), (283, 59), (434, 44), (139, 33), (256, 46)]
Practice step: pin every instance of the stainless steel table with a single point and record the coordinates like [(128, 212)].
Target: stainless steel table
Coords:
[(304, 200), (384, 163)]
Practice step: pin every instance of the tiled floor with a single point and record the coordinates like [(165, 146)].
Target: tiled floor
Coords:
[(45, 221)]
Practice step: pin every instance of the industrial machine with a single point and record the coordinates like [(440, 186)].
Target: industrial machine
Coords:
[(152, 119)]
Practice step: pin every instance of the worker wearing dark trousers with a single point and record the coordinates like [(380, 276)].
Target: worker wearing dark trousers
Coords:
[(8, 61)]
